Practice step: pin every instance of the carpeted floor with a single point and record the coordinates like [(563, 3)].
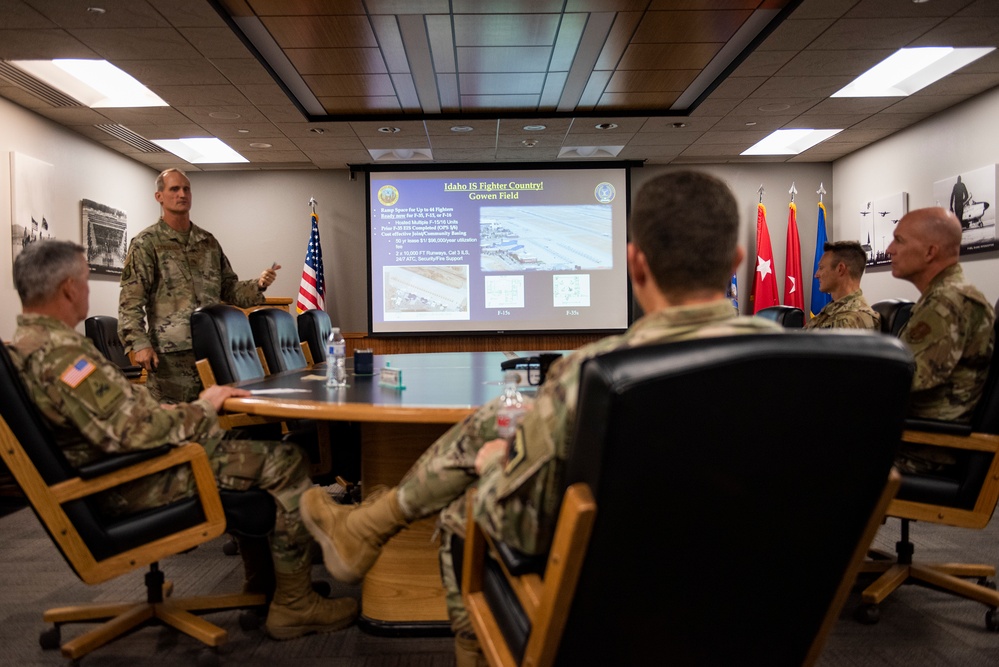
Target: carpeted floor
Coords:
[(919, 626)]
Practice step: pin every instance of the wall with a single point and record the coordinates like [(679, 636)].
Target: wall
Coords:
[(83, 170), (952, 142)]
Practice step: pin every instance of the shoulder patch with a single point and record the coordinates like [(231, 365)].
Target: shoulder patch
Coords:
[(77, 372)]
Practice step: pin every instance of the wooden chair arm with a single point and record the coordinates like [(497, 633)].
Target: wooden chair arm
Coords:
[(982, 442), (307, 351)]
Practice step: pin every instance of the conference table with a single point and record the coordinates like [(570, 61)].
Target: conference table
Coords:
[(402, 594)]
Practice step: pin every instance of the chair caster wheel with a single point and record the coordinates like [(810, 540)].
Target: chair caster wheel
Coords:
[(230, 548), (992, 620), (322, 588), (209, 657), (868, 614), (251, 619), (49, 639)]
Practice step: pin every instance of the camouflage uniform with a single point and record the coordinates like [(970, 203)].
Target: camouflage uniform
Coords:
[(517, 500), (167, 275), (850, 312), (950, 333), (95, 412)]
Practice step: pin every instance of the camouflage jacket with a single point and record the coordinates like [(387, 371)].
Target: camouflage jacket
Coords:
[(517, 500), (166, 277), (951, 336), (94, 411), (850, 312)]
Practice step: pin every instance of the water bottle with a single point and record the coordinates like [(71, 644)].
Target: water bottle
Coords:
[(512, 407), (336, 359)]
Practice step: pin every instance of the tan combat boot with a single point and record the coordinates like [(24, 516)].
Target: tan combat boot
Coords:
[(297, 610), (351, 536), (468, 653)]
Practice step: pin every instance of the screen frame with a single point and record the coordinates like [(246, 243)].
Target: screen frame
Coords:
[(368, 169)]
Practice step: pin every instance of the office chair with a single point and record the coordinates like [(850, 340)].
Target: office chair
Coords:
[(276, 335), (788, 317), (103, 331), (694, 480), (99, 548), (964, 496), (314, 328), (894, 314)]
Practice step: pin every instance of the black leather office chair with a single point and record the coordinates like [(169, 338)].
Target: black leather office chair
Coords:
[(103, 331), (224, 346), (964, 496), (314, 328), (894, 314), (788, 317), (275, 333), (698, 480), (98, 548)]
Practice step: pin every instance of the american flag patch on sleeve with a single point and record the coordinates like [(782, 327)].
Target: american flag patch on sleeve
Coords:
[(78, 372)]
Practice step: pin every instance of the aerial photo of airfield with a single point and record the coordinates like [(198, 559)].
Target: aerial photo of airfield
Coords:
[(545, 238), (425, 289)]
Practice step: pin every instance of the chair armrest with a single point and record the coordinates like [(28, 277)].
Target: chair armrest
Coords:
[(109, 465), (937, 426), (981, 442)]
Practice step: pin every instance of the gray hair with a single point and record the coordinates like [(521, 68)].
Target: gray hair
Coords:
[(161, 179), (42, 266)]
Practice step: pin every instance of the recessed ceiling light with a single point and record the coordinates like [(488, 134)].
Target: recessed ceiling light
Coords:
[(260, 144), (605, 126), (535, 128), (200, 150), (908, 70), (774, 107), (389, 130), (462, 128), (224, 115), (95, 83), (789, 142)]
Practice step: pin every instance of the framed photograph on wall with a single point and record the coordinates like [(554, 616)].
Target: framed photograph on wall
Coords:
[(971, 196), (879, 219), (30, 202), (105, 237)]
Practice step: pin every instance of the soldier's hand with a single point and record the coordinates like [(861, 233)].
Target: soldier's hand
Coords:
[(493, 450), (147, 359), (218, 393), (267, 276)]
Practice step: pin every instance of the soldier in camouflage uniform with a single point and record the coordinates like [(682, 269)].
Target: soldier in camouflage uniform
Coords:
[(518, 482), (95, 412), (172, 268), (950, 330), (840, 269)]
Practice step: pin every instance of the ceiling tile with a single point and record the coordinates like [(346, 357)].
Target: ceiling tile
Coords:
[(161, 72), (872, 33), (41, 45), (137, 43), (189, 96)]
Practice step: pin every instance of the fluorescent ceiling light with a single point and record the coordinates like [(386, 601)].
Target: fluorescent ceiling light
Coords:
[(908, 70), (95, 83), (200, 150), (789, 142)]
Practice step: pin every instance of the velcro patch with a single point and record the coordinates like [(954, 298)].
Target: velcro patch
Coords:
[(79, 371)]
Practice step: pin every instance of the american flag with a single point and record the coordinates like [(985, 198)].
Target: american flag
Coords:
[(312, 291), (78, 372)]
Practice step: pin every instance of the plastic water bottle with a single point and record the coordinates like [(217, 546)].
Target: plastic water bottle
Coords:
[(512, 407), (336, 359)]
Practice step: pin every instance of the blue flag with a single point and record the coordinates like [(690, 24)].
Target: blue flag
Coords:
[(733, 292), (819, 299)]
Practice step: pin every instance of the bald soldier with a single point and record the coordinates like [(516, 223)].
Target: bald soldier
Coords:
[(95, 413), (172, 268), (950, 331), (684, 296), (840, 269)]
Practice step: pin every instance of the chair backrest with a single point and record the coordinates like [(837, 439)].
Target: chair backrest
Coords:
[(894, 314), (275, 333), (713, 462), (314, 328), (788, 317), (222, 335), (103, 331)]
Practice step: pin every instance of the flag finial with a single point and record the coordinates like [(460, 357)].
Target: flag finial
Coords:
[(821, 191), (761, 192), (793, 191), (313, 203)]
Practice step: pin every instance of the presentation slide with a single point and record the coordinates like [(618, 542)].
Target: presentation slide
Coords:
[(495, 250)]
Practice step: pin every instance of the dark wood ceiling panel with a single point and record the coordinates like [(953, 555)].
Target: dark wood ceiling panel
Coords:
[(658, 27), (306, 7), (505, 29), (646, 81), (506, 6), (356, 105), (485, 103), (501, 84), (641, 101), (668, 56), (350, 85), (327, 31), (337, 61)]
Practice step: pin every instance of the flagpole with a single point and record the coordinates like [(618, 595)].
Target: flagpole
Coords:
[(312, 203)]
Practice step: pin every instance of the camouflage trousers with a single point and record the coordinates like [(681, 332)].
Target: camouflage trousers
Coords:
[(175, 378), (279, 468), (437, 482)]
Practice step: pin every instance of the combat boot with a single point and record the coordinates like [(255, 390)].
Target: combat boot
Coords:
[(468, 653), (297, 610), (258, 565), (351, 536)]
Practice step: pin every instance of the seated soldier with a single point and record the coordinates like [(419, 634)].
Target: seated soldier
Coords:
[(95, 413), (840, 269)]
